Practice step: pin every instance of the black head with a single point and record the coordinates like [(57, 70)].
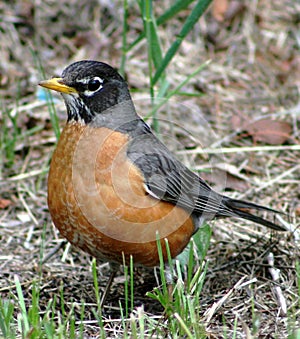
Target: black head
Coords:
[(89, 88)]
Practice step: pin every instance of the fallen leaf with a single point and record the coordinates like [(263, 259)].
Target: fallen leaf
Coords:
[(239, 121), (226, 10), (269, 131), (4, 203), (219, 9), (220, 177)]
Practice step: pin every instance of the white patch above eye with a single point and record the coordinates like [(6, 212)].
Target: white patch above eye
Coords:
[(87, 80), (83, 81)]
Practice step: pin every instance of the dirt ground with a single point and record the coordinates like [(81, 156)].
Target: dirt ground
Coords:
[(253, 75)]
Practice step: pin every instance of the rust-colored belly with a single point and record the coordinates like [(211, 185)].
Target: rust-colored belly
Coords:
[(97, 200)]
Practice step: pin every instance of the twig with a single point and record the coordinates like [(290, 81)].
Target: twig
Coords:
[(291, 228), (212, 310), (275, 273), (272, 181), (53, 251), (224, 150)]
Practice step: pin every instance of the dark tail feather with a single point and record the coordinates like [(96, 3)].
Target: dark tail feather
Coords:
[(238, 208)]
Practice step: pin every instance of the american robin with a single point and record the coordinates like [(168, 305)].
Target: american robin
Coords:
[(113, 186)]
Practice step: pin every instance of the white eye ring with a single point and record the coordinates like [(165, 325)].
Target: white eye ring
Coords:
[(93, 85)]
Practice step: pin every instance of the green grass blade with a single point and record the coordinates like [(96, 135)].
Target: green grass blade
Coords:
[(124, 38), (131, 268), (202, 240), (183, 325), (179, 6), (126, 287), (163, 89), (191, 20), (49, 98), (153, 43), (161, 264), (191, 264), (123, 320), (154, 46), (197, 282), (52, 113), (176, 90), (24, 316), (33, 310), (6, 318), (96, 285)]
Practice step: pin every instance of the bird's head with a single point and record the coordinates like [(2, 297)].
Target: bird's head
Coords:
[(89, 88)]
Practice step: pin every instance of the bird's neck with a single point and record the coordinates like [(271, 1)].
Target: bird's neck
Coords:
[(118, 117)]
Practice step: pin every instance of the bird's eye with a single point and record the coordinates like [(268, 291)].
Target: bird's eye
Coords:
[(94, 84)]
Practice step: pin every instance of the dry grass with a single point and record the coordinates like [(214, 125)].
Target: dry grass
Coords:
[(254, 73)]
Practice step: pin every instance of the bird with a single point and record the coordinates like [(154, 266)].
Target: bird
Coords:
[(114, 189)]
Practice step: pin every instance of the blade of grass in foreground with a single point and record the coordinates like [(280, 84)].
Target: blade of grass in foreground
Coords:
[(191, 20), (177, 7), (49, 98), (124, 37), (177, 89), (23, 320), (7, 318)]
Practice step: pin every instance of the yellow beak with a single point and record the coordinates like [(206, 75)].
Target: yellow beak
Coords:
[(57, 84)]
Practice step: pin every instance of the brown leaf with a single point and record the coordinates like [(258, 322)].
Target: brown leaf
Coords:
[(4, 203), (219, 177), (219, 9), (239, 121), (236, 183), (270, 131)]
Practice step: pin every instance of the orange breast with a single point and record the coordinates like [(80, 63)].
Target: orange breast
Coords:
[(97, 200)]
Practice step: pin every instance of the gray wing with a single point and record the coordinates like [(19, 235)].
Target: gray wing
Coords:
[(167, 179)]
